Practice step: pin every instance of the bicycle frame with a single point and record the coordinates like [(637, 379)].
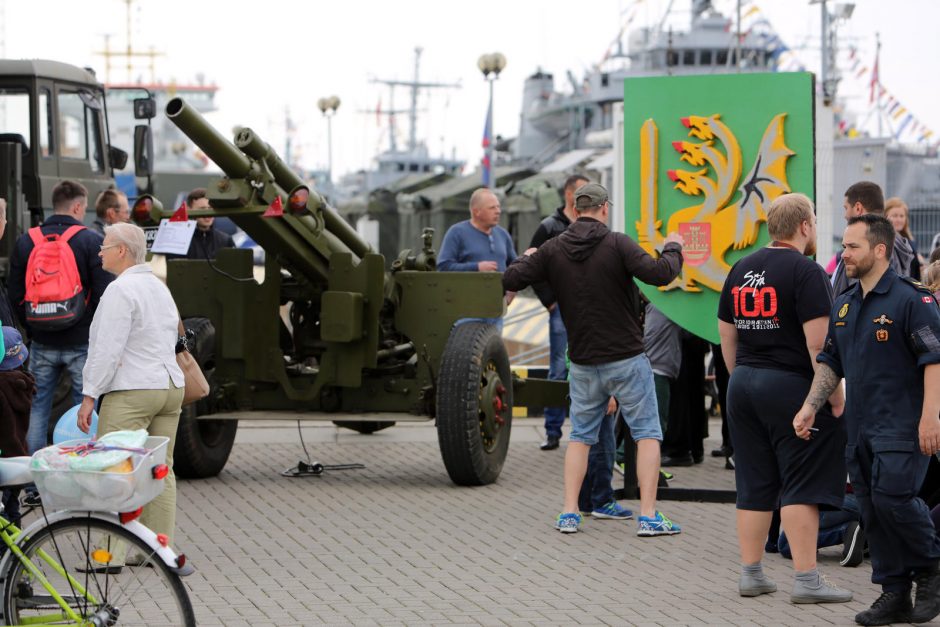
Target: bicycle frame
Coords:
[(12, 537)]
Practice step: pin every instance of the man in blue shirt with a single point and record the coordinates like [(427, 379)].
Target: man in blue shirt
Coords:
[(478, 244)]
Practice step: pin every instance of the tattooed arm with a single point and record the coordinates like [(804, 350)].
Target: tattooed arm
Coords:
[(815, 332), (824, 384)]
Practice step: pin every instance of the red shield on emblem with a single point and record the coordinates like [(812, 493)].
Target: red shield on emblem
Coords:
[(698, 242)]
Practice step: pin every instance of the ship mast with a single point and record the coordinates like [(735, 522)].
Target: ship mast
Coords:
[(129, 54), (414, 85)]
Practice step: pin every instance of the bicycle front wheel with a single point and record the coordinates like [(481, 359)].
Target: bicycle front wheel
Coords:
[(87, 562)]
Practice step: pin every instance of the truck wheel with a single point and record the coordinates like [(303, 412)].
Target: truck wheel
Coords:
[(202, 446), (474, 404), (364, 427)]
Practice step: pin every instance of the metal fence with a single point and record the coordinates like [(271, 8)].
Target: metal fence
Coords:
[(916, 179)]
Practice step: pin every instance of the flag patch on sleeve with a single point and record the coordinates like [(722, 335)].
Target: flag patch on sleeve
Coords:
[(925, 341)]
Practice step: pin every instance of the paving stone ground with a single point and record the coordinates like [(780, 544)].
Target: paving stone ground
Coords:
[(398, 544)]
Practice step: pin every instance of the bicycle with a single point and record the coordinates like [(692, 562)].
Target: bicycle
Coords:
[(89, 568)]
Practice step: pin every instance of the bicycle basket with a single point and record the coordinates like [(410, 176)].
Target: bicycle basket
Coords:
[(64, 488)]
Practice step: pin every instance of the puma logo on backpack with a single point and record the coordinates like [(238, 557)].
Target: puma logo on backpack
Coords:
[(55, 298)]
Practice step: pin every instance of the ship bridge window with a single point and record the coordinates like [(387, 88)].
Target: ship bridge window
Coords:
[(672, 58), (199, 97), (14, 102), (688, 57), (721, 57), (605, 79), (706, 57), (79, 129)]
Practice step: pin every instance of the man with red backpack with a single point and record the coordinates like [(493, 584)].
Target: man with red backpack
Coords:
[(55, 283)]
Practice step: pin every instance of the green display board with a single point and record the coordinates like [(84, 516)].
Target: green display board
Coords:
[(704, 156)]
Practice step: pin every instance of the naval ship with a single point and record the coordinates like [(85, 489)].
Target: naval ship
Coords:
[(178, 164)]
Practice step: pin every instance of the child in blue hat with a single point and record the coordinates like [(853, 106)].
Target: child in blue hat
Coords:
[(17, 388)]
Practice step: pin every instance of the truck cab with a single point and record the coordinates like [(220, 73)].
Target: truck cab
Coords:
[(53, 126)]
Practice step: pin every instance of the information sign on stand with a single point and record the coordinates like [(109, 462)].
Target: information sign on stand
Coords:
[(173, 237)]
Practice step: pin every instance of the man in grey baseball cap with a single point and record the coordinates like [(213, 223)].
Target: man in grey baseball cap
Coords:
[(591, 269), (590, 195)]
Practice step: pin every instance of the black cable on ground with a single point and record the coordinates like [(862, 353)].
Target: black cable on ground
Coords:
[(311, 468)]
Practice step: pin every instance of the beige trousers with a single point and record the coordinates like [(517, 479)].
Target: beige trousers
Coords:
[(157, 411)]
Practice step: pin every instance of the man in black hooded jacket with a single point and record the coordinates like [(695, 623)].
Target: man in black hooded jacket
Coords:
[(591, 269), (550, 227)]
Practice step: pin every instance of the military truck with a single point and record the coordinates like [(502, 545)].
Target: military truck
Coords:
[(328, 334), (54, 126)]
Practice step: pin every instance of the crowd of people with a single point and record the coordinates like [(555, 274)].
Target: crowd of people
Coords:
[(91, 308), (826, 461)]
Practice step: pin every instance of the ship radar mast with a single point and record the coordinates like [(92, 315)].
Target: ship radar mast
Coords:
[(128, 54), (414, 85)]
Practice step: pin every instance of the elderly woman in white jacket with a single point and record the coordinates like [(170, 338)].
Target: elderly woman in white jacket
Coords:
[(132, 358)]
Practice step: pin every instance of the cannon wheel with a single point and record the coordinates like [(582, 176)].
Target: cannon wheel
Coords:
[(202, 446), (364, 427), (474, 404)]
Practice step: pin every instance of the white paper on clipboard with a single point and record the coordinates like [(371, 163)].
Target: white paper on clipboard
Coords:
[(173, 237)]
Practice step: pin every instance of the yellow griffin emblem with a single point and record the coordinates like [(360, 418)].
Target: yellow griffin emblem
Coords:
[(714, 226)]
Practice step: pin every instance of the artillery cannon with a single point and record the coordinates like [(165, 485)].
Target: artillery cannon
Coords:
[(328, 334)]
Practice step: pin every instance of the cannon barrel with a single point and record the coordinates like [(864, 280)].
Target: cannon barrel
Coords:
[(253, 146), (254, 160), (216, 147)]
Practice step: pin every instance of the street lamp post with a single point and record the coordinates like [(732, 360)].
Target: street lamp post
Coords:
[(491, 65), (328, 107)]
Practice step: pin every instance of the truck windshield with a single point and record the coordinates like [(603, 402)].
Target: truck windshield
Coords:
[(14, 115), (79, 132)]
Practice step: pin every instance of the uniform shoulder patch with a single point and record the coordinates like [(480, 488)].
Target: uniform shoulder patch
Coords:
[(917, 285), (924, 294)]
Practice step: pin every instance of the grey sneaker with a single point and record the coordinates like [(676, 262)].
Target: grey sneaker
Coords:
[(751, 586), (823, 592)]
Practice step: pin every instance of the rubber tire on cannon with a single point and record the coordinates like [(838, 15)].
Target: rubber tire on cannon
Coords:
[(202, 446), (474, 404)]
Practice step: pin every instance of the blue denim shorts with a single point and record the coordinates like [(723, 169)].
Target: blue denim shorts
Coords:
[(630, 381)]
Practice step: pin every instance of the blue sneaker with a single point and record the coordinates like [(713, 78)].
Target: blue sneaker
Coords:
[(568, 522), (657, 525), (614, 511)]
